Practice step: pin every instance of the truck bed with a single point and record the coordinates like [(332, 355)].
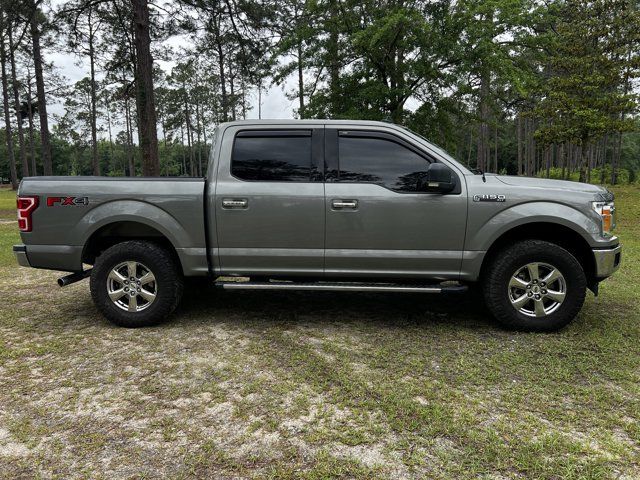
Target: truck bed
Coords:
[(74, 210)]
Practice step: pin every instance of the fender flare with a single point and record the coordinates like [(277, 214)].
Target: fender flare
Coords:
[(131, 211), (533, 212)]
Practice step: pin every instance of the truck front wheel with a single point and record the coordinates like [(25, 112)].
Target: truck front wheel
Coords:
[(534, 285), (136, 284)]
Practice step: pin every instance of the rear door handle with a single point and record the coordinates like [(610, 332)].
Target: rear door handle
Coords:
[(344, 204), (234, 203)]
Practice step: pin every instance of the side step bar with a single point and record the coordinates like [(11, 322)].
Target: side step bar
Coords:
[(343, 287)]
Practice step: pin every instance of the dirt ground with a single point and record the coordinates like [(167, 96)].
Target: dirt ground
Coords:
[(316, 385)]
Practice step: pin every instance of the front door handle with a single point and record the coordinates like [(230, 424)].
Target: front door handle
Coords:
[(234, 203), (344, 204)]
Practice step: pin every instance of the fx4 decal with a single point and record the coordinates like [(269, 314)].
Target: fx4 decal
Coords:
[(489, 198), (67, 201)]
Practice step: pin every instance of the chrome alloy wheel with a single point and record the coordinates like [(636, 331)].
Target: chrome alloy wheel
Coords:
[(537, 289), (132, 286)]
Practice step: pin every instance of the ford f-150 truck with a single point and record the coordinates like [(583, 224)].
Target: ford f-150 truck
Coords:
[(324, 205)]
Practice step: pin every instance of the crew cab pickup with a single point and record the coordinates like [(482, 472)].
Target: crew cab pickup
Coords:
[(324, 205)]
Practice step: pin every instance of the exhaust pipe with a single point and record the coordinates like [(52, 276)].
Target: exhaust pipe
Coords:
[(73, 278)]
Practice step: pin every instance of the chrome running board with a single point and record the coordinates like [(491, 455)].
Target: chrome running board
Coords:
[(342, 287)]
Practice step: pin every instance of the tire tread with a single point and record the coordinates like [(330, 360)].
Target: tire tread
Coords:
[(165, 269), (509, 260)]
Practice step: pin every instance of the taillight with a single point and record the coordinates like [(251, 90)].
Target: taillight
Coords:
[(26, 206)]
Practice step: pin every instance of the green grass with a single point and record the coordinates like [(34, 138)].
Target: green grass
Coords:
[(7, 203), (304, 385), (8, 226)]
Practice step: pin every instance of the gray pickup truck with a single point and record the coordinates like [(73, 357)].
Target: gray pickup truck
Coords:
[(324, 205)]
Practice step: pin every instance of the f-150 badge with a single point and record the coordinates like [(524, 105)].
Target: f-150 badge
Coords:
[(489, 198)]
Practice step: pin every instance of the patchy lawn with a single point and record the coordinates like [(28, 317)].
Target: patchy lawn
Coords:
[(317, 385), (7, 205)]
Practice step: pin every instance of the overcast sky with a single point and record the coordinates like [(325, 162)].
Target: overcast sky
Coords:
[(275, 104)]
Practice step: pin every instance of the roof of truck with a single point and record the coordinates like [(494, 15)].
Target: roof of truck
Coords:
[(315, 121)]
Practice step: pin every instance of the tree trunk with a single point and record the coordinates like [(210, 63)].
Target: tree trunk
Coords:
[(495, 151), (190, 146), (189, 136), (32, 143), (547, 158), (525, 147), (198, 127), (94, 129), (232, 94), (590, 159), (244, 97), (129, 126), (45, 141), (605, 142), (5, 105), (221, 72), (334, 66), (206, 151), (184, 165), (615, 159), (519, 140), (483, 130), (259, 101), (144, 96), (531, 147), (583, 161), (108, 110), (301, 113), (16, 106)]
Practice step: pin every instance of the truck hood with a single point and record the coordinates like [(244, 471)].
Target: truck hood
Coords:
[(545, 183)]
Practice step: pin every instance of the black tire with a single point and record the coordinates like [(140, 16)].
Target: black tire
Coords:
[(167, 286), (501, 270)]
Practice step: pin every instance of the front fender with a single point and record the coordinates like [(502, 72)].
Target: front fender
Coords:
[(484, 233)]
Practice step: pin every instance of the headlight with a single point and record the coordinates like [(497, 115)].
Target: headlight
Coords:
[(606, 211)]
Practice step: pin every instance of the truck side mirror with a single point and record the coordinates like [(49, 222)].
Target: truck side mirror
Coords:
[(438, 179)]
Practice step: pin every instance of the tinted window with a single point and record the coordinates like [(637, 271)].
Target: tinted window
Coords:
[(272, 157), (377, 160)]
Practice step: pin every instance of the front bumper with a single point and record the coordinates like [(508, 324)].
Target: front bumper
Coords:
[(20, 251), (607, 261)]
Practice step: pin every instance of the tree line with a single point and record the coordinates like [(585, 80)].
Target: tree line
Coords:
[(523, 87)]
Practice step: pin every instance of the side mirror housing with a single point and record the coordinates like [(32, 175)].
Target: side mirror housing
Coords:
[(438, 179)]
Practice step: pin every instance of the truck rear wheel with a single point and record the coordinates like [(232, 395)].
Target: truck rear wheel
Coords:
[(534, 285), (136, 284)]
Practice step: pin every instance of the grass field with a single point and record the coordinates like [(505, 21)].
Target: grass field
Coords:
[(311, 385)]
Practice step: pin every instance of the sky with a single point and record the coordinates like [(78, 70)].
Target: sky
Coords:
[(275, 104)]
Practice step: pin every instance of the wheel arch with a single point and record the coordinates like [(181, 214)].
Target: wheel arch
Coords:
[(120, 220), (555, 233), (119, 231)]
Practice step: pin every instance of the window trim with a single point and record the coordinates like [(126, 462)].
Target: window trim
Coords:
[(273, 132), (332, 157), (316, 174)]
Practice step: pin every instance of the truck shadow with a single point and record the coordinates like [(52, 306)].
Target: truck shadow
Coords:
[(205, 303)]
